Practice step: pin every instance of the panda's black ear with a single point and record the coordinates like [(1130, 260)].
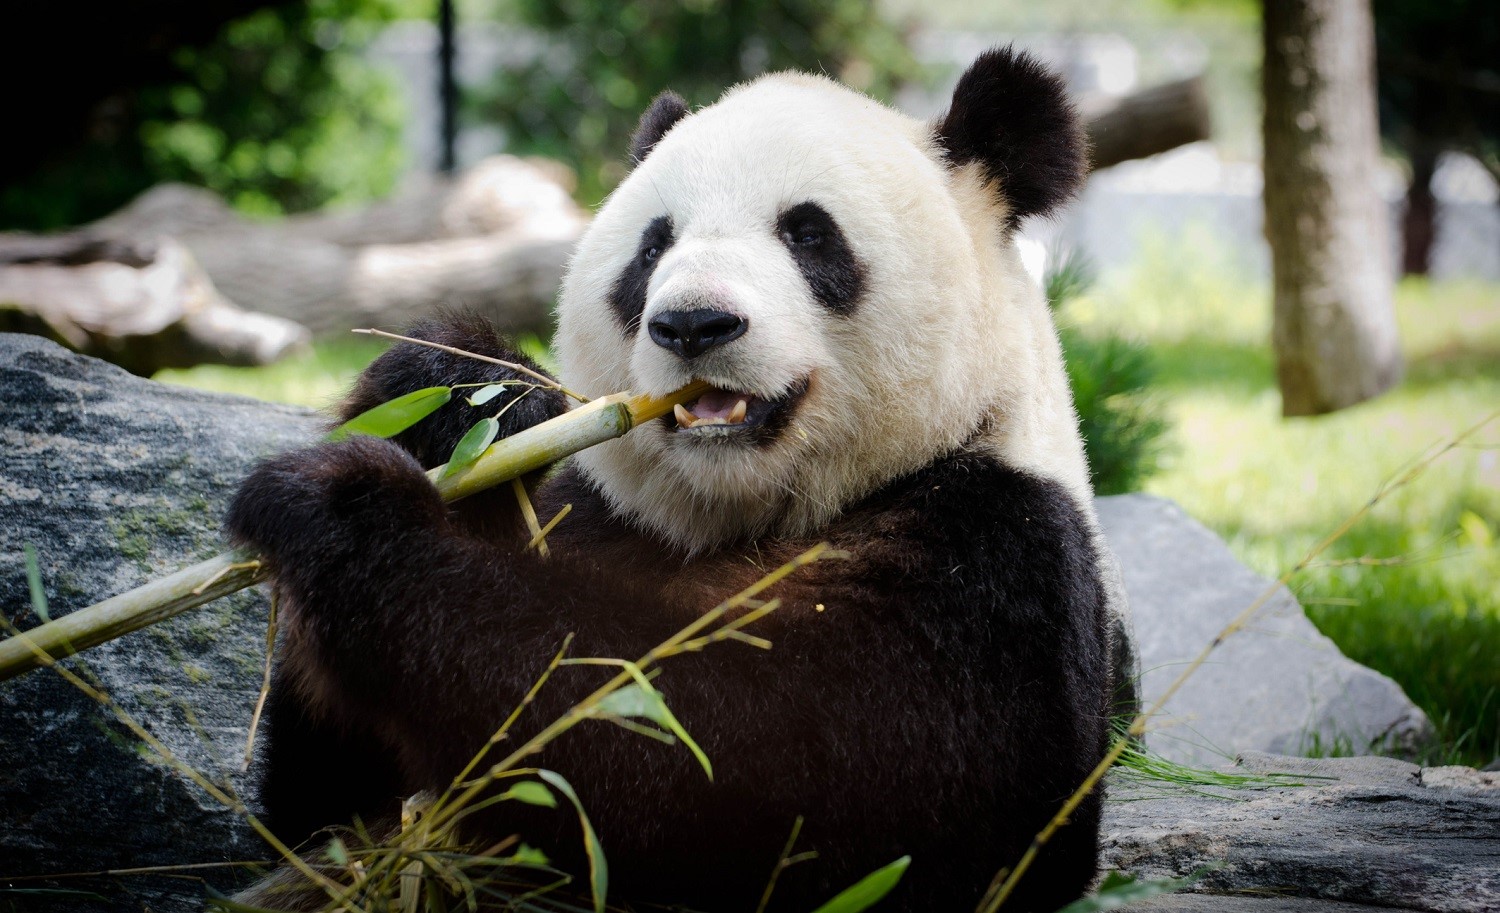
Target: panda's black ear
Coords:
[(666, 110), (1012, 115)]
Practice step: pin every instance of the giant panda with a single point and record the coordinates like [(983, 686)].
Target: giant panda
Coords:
[(886, 378)]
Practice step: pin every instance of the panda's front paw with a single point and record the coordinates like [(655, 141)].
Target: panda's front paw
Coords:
[(331, 499), (410, 366)]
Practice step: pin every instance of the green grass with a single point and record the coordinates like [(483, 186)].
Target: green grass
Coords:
[(1414, 589), (317, 377)]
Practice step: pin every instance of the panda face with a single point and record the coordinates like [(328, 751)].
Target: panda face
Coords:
[(814, 257)]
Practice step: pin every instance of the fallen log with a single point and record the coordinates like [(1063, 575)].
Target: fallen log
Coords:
[(1149, 122), (495, 240), (142, 304)]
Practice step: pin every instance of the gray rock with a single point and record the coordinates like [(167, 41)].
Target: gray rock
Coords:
[(1368, 831), (1278, 685), (116, 481), (1198, 903)]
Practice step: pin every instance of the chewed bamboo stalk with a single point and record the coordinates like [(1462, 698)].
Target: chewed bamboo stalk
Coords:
[(599, 420)]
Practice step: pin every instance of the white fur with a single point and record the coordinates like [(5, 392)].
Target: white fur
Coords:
[(950, 336)]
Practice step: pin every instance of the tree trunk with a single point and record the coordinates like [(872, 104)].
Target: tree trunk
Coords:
[(1335, 327), (1419, 221)]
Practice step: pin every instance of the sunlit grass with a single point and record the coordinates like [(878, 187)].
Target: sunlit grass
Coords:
[(317, 377), (1414, 591)]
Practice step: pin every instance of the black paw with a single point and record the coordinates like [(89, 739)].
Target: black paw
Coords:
[(408, 366), (333, 500)]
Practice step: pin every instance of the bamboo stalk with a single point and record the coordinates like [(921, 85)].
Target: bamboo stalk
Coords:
[(597, 421)]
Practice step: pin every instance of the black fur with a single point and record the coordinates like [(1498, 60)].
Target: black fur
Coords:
[(1012, 114), (946, 699), (835, 275), (628, 295), (406, 367), (665, 111), (318, 773)]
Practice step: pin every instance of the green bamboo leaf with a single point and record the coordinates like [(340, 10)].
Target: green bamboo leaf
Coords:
[(868, 891), (527, 855), (532, 793), (1119, 890), (630, 700), (598, 867), (392, 418), (472, 445), (485, 394), (643, 701)]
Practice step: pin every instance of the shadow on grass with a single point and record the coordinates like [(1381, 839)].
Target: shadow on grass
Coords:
[(1249, 369), (1455, 363)]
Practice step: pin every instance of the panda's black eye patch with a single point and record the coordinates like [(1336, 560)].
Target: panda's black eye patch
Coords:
[(833, 273), (628, 296)]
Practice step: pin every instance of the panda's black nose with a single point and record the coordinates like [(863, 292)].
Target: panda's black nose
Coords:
[(691, 333)]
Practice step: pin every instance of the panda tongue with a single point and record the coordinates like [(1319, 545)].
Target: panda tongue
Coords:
[(717, 404)]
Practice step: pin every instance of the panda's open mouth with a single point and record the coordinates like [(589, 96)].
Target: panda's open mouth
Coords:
[(729, 414)]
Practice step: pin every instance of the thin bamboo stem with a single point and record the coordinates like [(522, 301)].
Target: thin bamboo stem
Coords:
[(597, 421), (536, 375)]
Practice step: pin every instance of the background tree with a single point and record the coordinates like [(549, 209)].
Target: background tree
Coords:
[(1335, 326), (604, 61), (1439, 67), (270, 107)]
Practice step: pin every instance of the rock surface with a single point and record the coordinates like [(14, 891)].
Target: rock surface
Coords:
[(116, 480), (1356, 834), (1278, 685)]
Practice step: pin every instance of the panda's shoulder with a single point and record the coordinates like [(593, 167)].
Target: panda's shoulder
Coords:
[(970, 507)]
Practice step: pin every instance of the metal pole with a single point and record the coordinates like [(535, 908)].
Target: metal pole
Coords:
[(447, 86)]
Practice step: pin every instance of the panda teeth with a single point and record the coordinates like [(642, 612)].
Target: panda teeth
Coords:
[(686, 419)]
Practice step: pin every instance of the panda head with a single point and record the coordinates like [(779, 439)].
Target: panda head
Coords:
[(846, 279)]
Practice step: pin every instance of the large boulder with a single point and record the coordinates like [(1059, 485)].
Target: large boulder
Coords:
[(116, 481), (1277, 685)]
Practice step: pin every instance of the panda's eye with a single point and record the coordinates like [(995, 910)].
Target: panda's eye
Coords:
[(805, 236), (652, 252)]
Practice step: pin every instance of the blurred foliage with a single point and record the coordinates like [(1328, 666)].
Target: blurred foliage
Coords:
[(600, 63), (1122, 423), (1439, 74), (278, 114)]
